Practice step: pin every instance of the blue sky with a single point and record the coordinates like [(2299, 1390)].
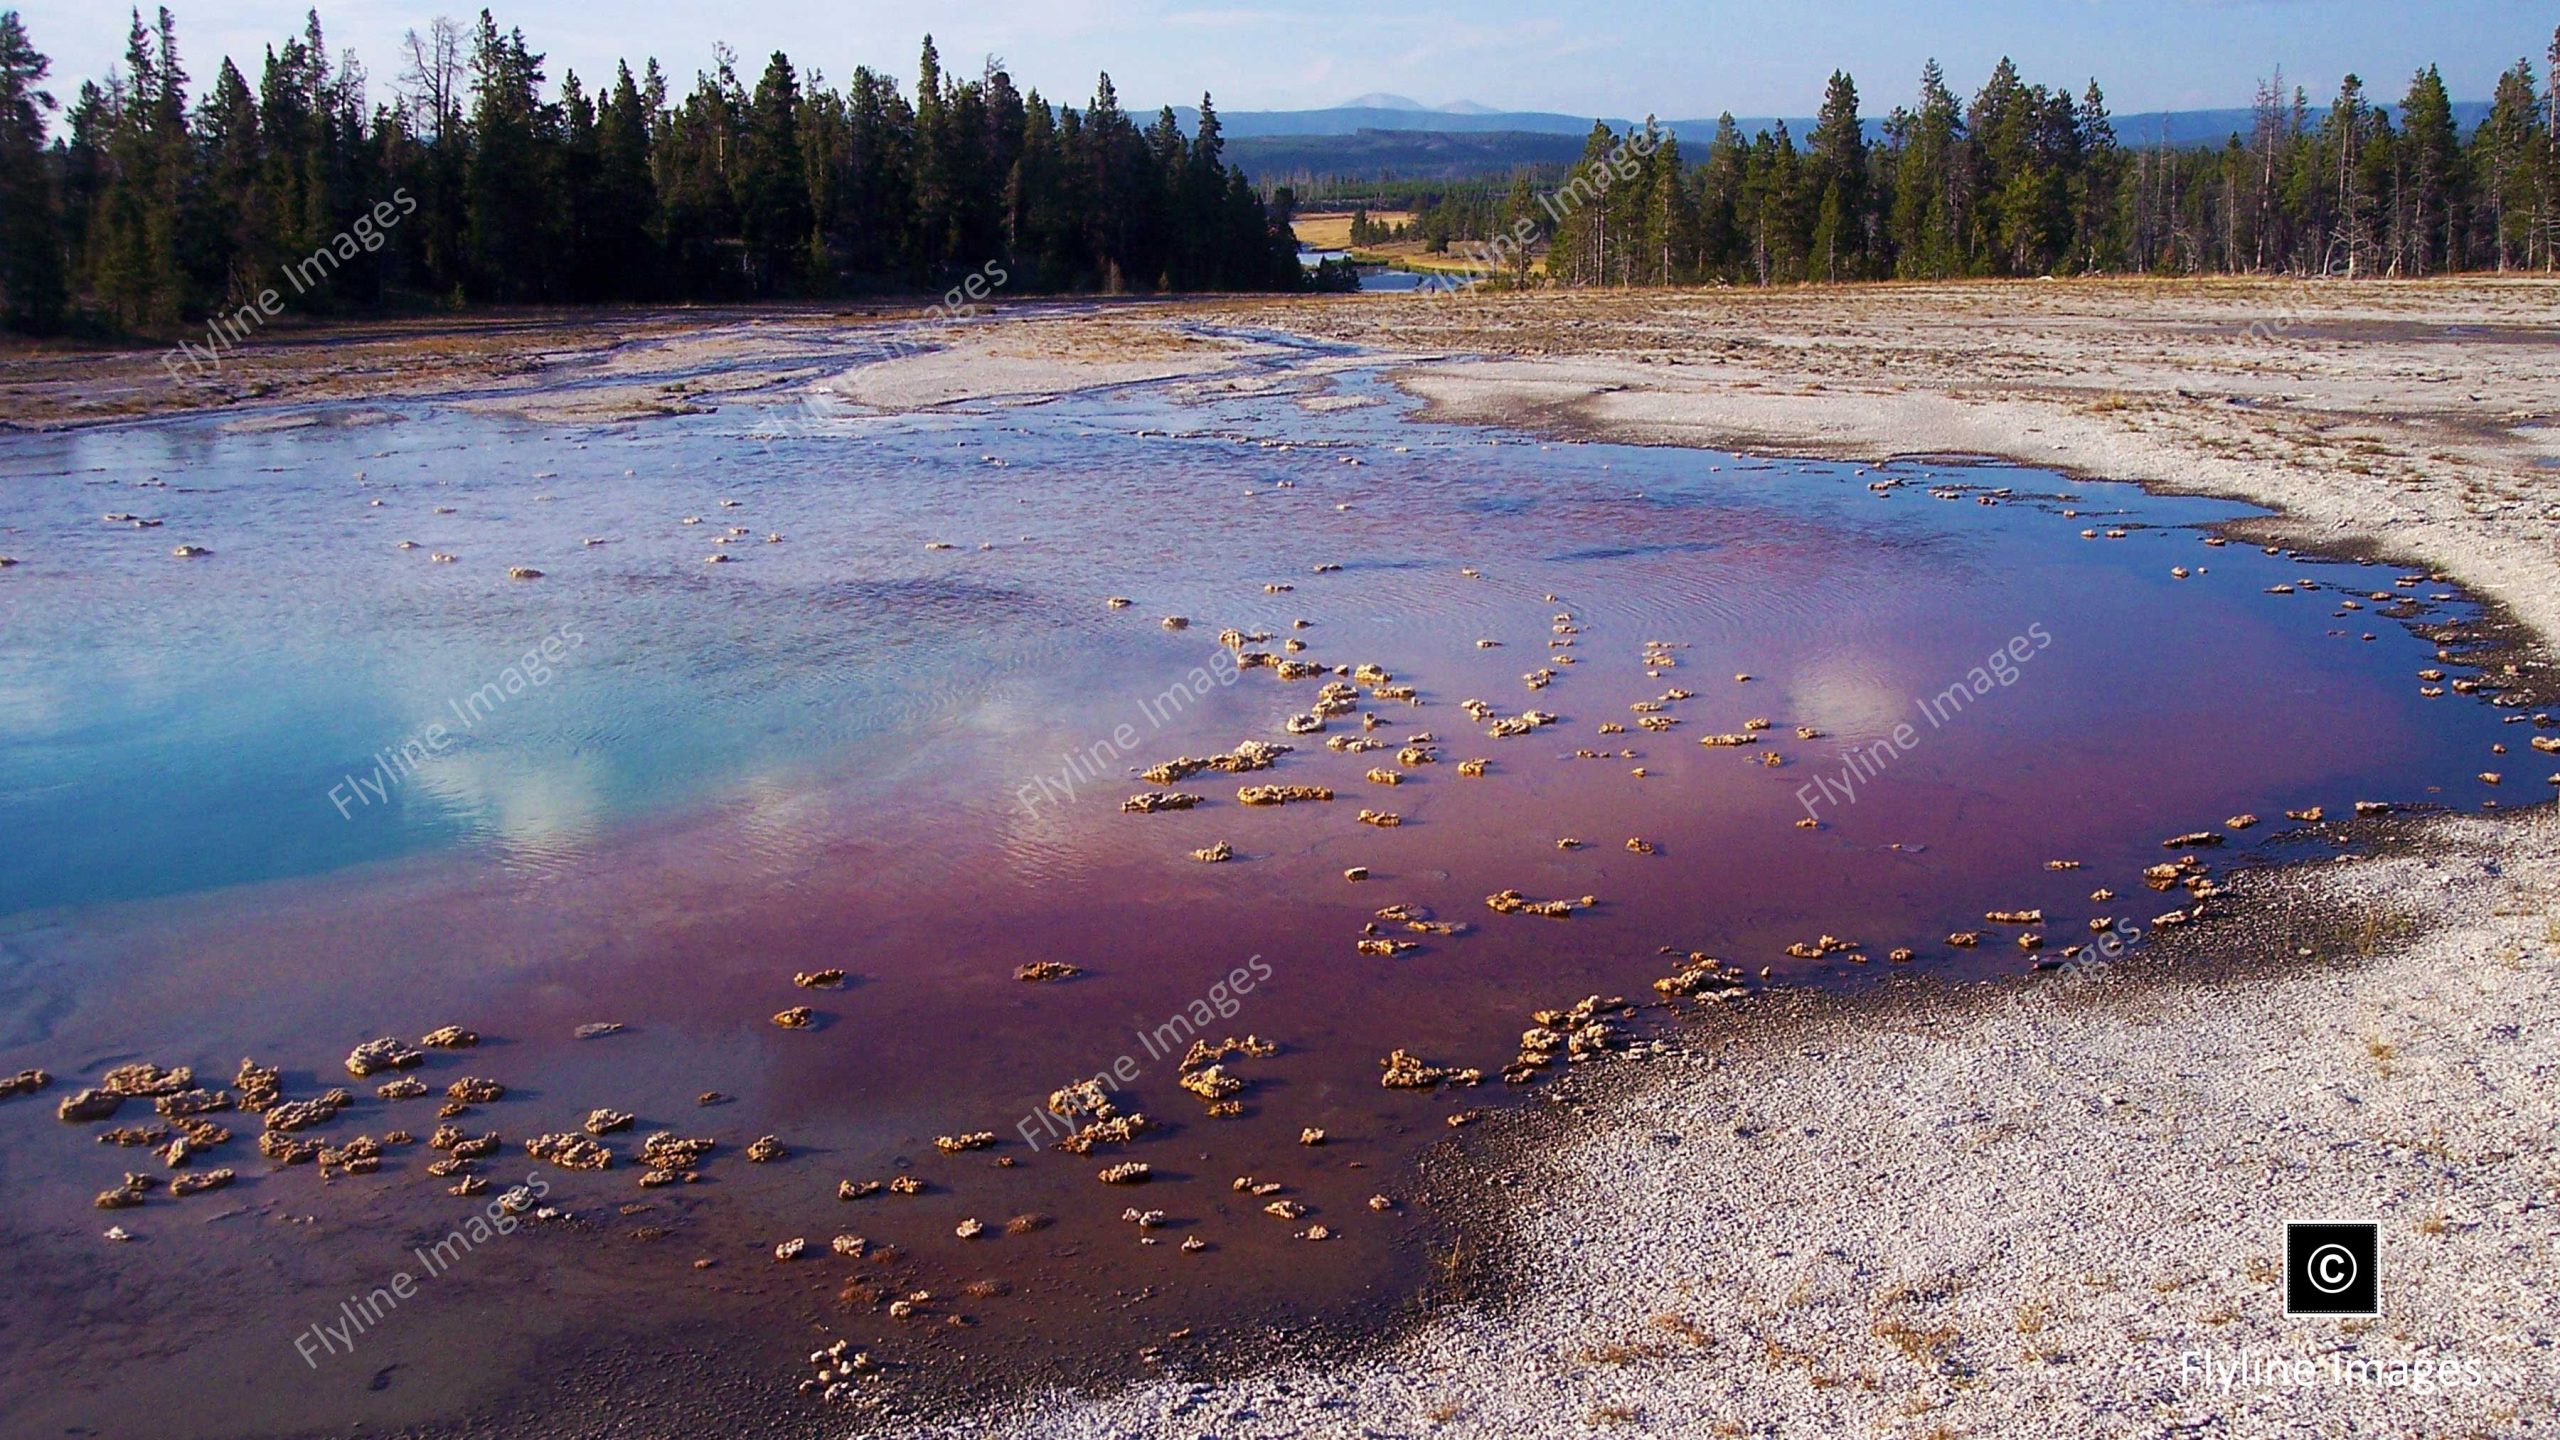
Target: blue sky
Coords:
[(1674, 60)]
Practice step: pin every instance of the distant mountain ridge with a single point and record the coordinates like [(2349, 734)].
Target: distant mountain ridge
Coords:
[(1383, 134), (1397, 112), (1381, 100), (1401, 154)]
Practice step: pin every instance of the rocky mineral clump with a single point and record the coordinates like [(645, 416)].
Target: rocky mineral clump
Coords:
[(1282, 794), (258, 1086), (387, 1053), (1402, 1070), (185, 1185), (191, 1102), (1703, 975), (1155, 801), (1211, 1083), (141, 1080), (283, 1149), (361, 1155), (1102, 1123), (304, 1114), (1512, 902), (128, 1194), (83, 1106), (671, 1157), (570, 1151)]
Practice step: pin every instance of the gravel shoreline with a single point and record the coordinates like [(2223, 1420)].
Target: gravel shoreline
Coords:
[(2044, 1206)]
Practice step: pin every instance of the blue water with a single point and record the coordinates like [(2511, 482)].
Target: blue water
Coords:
[(169, 725)]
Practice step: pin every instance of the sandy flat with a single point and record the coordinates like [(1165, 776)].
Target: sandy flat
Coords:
[(947, 363)]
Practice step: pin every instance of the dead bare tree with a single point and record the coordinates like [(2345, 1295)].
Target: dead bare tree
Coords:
[(431, 86)]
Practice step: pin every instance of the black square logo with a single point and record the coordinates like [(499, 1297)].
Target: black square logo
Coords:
[(2332, 1268)]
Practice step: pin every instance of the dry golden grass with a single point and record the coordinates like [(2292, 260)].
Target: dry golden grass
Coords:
[(1621, 1352), (1924, 1346), (2382, 1052), (1331, 229), (1684, 1327)]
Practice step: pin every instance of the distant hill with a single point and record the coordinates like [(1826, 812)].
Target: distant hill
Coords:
[(1399, 154), (1396, 112), (1352, 119), (2183, 128), (1392, 135), (1380, 100)]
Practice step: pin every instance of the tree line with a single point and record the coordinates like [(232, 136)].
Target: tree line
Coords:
[(2026, 180), (152, 206)]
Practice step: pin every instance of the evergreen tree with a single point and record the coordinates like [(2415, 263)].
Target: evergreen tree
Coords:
[(233, 249), (1720, 199), (510, 242), (626, 195), (2097, 239), (135, 262), (1580, 254), (31, 286), (691, 167), (2430, 199), (773, 189), (1838, 176), (2349, 137), (1929, 203), (2504, 154), (577, 178), (1671, 217)]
